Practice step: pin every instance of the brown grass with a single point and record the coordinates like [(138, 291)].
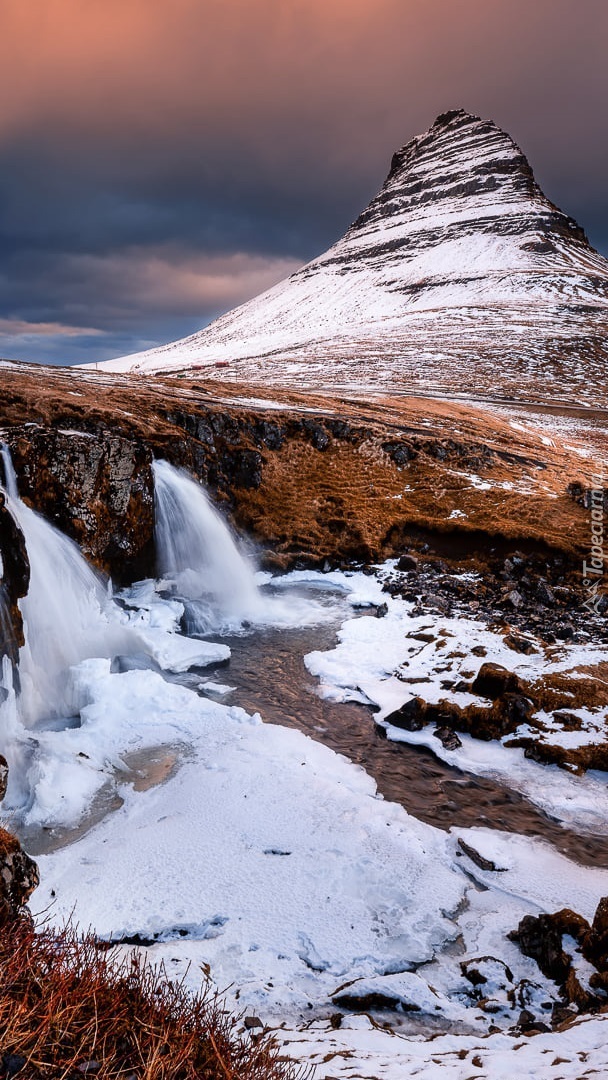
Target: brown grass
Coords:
[(69, 1008)]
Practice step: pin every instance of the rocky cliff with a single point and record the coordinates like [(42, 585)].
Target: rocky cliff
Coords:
[(308, 478), (459, 275)]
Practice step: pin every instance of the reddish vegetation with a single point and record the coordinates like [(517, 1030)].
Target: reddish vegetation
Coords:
[(318, 478), (69, 1009)]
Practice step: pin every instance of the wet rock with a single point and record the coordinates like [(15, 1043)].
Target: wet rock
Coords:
[(493, 680), (448, 738), (410, 717), (540, 937), (400, 453), (3, 776), (474, 856), (94, 485), (14, 583)]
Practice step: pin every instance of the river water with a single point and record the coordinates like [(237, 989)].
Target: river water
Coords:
[(267, 668)]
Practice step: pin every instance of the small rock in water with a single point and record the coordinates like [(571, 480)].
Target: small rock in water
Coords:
[(410, 717), (448, 738)]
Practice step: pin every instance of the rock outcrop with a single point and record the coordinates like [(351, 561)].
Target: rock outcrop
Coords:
[(14, 583), (542, 938), (308, 478)]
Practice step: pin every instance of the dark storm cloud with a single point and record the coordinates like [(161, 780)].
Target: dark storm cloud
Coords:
[(161, 162)]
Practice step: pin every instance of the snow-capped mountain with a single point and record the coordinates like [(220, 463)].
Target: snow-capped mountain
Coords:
[(460, 274)]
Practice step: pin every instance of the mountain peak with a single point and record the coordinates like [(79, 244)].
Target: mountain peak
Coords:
[(459, 273), (460, 156)]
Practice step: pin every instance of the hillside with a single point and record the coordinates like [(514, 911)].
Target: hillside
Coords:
[(460, 276)]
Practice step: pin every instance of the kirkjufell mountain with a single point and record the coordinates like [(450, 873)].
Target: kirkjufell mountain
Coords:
[(460, 275)]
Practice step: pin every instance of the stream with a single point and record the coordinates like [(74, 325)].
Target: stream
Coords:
[(267, 668)]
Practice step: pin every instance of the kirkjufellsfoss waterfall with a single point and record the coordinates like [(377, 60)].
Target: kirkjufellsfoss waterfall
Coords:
[(68, 617), (198, 554), (196, 550), (66, 614), (72, 623)]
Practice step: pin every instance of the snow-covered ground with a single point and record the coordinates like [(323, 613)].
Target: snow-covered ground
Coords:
[(269, 864)]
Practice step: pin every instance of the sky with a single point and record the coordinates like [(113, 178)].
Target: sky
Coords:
[(162, 161)]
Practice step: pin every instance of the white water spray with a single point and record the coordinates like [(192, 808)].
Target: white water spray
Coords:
[(66, 613), (196, 550), (198, 553)]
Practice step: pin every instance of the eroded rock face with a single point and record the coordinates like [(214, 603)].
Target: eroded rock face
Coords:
[(18, 877), (309, 479), (14, 583), (94, 485)]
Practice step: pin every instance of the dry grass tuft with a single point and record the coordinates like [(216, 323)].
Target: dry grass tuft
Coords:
[(69, 1009)]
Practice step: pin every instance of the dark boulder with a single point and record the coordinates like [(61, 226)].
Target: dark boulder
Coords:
[(493, 680)]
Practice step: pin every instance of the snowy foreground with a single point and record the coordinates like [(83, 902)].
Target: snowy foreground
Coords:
[(269, 864)]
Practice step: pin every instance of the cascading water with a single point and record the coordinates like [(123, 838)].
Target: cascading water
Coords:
[(196, 550), (65, 613), (198, 554)]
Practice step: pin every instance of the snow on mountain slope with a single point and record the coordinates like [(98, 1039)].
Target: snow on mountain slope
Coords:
[(460, 274)]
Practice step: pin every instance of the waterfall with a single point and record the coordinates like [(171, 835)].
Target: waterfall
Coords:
[(10, 479), (66, 614), (197, 552)]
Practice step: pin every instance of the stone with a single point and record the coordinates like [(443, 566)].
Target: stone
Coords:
[(474, 856), (539, 937), (410, 717), (545, 594), (493, 680), (407, 562), (599, 927), (520, 644), (3, 776), (448, 738), (18, 877)]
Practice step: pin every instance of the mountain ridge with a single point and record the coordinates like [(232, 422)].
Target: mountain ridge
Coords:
[(460, 272)]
